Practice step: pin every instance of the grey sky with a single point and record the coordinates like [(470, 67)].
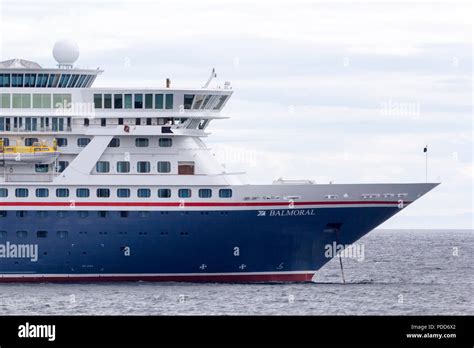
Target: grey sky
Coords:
[(341, 91)]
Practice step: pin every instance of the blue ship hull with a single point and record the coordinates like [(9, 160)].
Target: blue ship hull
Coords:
[(207, 245)]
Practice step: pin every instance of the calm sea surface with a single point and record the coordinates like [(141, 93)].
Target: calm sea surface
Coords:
[(402, 272)]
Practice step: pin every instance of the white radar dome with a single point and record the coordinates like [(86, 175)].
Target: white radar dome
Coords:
[(66, 52)]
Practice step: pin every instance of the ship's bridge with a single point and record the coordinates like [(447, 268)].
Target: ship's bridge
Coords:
[(20, 73)]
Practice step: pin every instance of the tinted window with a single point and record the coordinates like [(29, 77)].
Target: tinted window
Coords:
[(123, 193), (143, 193), (184, 193), (141, 142), (103, 193), (42, 192), (164, 193), (164, 167), (205, 193), (21, 192), (82, 142), (225, 193), (165, 142), (82, 192), (123, 167), (143, 167), (102, 167), (62, 192)]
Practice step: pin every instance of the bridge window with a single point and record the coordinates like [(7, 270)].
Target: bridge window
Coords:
[(188, 101)]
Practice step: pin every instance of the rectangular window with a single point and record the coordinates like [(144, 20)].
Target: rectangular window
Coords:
[(205, 193), (158, 101), (42, 234), (165, 142), (103, 193), (143, 167), (164, 167), (62, 192), (128, 101), (102, 167), (164, 193), (198, 102), (98, 101), (225, 193), (42, 192), (115, 142), (118, 101), (41, 168), (188, 101), (46, 101), (123, 167), (107, 101), (169, 101), (103, 122), (83, 142), (184, 193), (123, 193), (138, 101), (21, 192), (5, 101), (37, 101), (61, 142), (3, 192), (148, 101), (141, 142), (143, 193), (82, 192), (62, 165)]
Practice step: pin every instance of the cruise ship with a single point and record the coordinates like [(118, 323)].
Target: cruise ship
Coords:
[(117, 184)]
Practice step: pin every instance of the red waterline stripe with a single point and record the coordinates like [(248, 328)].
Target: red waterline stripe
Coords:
[(231, 278), (188, 204)]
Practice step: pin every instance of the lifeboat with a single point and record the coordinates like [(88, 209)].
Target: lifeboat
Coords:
[(38, 153)]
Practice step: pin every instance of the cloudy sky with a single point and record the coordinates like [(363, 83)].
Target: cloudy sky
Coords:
[(331, 91)]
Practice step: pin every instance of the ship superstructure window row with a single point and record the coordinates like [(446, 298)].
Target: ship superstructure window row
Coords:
[(105, 192), (47, 80), (35, 101), (157, 101), (35, 124), (133, 101)]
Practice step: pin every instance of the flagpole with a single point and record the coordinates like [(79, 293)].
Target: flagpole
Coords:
[(426, 163)]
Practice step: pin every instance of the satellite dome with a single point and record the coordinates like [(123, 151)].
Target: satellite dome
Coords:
[(66, 52)]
